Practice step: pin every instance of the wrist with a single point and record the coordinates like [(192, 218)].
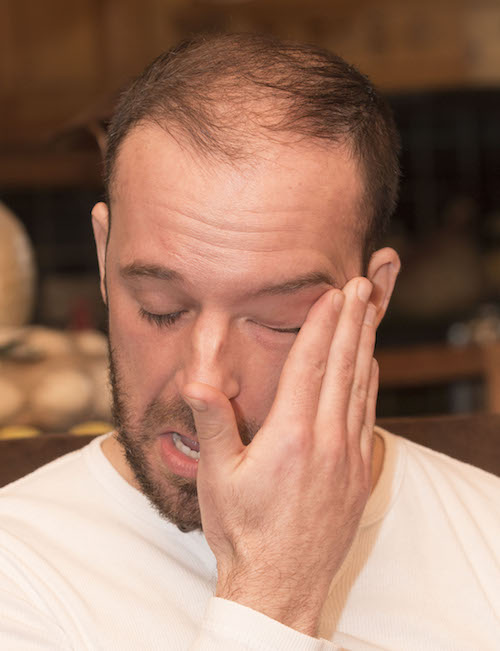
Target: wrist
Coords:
[(288, 606)]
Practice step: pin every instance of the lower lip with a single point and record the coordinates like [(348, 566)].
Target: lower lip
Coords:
[(176, 461)]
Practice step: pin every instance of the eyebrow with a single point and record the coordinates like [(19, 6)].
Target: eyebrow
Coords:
[(137, 270)]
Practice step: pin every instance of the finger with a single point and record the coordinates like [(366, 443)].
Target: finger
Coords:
[(216, 425), (301, 378), (337, 382), (361, 381), (367, 430)]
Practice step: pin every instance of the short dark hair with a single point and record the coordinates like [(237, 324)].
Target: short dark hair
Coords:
[(201, 88)]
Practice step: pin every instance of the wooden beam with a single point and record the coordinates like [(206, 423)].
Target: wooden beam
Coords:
[(439, 364), (427, 365)]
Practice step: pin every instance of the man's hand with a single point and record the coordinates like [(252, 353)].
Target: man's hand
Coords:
[(281, 513)]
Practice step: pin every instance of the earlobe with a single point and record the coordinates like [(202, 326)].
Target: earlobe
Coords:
[(382, 272), (100, 225)]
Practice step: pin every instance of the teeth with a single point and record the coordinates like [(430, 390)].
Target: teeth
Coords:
[(184, 448)]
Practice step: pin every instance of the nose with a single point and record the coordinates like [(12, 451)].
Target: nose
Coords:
[(210, 355)]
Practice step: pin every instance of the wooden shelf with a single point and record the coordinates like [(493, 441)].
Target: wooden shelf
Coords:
[(438, 364)]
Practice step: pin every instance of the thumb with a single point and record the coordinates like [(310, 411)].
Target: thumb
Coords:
[(215, 422)]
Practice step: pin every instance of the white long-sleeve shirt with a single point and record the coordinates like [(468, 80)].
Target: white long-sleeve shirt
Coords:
[(87, 563)]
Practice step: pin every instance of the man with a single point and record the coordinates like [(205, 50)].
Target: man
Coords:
[(245, 500)]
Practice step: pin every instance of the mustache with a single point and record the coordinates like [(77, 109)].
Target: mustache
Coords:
[(162, 412), (176, 411), (173, 411)]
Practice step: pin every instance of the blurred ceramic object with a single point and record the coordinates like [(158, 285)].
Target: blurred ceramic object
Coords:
[(39, 342), (17, 271), (11, 400), (91, 343), (53, 379), (62, 397)]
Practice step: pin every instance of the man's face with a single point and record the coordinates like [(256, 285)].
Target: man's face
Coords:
[(203, 241)]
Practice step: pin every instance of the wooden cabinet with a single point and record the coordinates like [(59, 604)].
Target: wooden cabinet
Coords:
[(58, 59)]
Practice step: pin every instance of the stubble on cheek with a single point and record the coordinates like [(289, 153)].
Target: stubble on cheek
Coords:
[(175, 498)]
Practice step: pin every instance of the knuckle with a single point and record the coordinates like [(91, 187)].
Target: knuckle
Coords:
[(346, 365), (337, 450), (359, 391), (318, 366)]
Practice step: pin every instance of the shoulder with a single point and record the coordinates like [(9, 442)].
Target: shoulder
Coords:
[(45, 475), (447, 477), (49, 491)]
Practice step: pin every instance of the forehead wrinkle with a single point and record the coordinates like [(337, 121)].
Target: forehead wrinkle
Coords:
[(231, 218), (231, 235)]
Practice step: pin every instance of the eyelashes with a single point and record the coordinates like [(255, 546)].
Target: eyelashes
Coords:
[(162, 320), (293, 331), (167, 320)]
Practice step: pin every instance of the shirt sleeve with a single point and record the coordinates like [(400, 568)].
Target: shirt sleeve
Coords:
[(23, 628), (229, 626)]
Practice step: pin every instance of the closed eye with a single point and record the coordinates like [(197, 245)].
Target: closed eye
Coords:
[(162, 320), (166, 320), (293, 331)]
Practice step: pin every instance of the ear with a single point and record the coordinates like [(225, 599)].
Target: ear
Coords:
[(383, 270), (100, 224)]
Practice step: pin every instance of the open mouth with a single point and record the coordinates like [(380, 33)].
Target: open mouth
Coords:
[(186, 445), (179, 453)]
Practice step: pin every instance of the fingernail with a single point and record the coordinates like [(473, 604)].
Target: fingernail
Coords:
[(364, 290), (196, 404)]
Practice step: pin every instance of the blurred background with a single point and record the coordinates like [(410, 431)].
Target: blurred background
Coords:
[(61, 66)]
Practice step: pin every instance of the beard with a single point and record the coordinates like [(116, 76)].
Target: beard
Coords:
[(174, 497)]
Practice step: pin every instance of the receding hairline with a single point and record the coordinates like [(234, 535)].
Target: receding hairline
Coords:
[(320, 94), (252, 151), (358, 225)]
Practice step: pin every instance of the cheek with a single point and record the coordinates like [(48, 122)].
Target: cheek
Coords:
[(259, 381), (144, 356)]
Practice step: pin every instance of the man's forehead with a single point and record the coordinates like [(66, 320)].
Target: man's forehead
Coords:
[(151, 146), (306, 189)]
